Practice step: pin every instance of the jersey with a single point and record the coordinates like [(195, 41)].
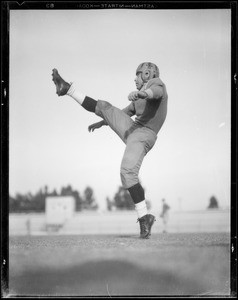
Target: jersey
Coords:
[(150, 112)]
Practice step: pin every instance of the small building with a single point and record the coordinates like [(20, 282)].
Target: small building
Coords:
[(58, 210)]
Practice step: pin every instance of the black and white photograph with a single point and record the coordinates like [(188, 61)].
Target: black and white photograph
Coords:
[(119, 171)]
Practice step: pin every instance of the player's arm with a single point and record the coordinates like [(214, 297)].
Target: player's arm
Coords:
[(97, 125), (155, 92), (133, 96)]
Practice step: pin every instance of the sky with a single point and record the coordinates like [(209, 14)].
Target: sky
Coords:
[(99, 50)]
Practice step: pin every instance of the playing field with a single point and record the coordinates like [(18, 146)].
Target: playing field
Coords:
[(189, 264)]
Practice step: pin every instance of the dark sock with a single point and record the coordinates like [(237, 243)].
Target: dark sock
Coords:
[(137, 193), (89, 104)]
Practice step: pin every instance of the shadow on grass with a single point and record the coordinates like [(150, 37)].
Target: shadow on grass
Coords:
[(104, 278), (129, 237)]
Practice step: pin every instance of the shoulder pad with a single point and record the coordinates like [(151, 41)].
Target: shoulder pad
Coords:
[(154, 81)]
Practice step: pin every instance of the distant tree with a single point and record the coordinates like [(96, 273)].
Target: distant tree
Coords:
[(46, 190), (54, 193), (36, 203), (78, 200), (27, 203), (66, 191), (123, 200), (89, 201), (14, 204), (39, 201), (69, 191), (213, 203)]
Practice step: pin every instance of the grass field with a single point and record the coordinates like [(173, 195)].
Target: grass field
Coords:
[(120, 265)]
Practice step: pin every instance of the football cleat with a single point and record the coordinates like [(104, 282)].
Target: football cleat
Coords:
[(61, 86), (146, 222)]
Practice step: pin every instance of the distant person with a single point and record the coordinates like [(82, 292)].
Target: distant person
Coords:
[(149, 105), (28, 226), (165, 215), (213, 203)]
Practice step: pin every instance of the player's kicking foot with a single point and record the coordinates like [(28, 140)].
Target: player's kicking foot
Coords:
[(146, 222), (61, 86)]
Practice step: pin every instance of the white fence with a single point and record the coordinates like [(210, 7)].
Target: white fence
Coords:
[(120, 222)]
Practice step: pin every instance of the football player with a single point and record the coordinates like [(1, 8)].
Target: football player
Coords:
[(149, 105)]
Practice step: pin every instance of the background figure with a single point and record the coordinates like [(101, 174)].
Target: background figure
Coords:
[(165, 215), (28, 226)]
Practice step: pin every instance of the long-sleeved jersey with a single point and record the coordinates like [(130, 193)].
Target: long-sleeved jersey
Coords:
[(151, 111)]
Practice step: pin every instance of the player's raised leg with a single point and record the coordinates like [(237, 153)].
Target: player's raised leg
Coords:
[(65, 88), (119, 121)]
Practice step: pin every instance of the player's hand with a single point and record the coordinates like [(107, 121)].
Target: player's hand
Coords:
[(133, 96), (94, 126)]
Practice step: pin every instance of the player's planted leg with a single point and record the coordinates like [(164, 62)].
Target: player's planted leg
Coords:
[(130, 166), (145, 220)]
